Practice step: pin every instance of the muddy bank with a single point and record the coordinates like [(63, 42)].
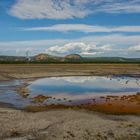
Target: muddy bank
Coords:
[(21, 71), (119, 105)]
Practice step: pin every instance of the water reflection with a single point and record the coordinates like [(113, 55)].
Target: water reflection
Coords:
[(84, 85), (65, 90)]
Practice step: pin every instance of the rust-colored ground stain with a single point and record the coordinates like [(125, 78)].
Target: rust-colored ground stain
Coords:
[(125, 104), (40, 99), (129, 104)]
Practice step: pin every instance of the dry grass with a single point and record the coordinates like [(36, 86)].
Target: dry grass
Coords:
[(9, 71)]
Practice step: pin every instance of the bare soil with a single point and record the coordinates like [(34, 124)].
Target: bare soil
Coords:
[(67, 125)]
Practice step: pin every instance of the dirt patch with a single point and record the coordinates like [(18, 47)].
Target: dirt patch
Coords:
[(66, 124)]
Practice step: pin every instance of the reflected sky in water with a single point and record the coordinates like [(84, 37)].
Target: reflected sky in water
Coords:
[(75, 88), (84, 85)]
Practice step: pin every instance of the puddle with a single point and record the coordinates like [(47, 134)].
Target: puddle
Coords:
[(67, 90)]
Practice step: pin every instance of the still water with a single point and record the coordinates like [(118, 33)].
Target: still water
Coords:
[(63, 89)]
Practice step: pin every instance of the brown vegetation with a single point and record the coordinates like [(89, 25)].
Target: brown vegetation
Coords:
[(18, 71)]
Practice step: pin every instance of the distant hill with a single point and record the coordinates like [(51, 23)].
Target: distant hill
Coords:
[(41, 57), (114, 59), (45, 57), (13, 58), (71, 58)]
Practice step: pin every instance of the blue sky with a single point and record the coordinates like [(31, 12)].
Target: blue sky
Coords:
[(60, 27)]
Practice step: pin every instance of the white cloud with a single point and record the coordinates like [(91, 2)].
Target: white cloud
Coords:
[(52, 9), (114, 45), (120, 6), (85, 28), (21, 47), (64, 9), (135, 48), (79, 48), (116, 39), (31, 43)]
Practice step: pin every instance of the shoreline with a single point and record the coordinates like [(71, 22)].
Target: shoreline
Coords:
[(20, 72), (67, 123), (109, 104), (118, 104)]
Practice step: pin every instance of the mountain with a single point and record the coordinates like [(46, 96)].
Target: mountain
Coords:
[(45, 57), (41, 57), (71, 58)]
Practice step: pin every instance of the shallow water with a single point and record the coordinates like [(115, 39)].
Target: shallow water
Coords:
[(9, 95), (68, 90), (84, 85)]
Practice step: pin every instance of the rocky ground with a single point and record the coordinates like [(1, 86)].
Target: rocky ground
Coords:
[(67, 125)]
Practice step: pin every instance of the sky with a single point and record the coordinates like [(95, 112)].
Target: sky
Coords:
[(91, 28)]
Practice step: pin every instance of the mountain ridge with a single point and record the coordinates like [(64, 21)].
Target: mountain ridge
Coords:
[(43, 57)]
